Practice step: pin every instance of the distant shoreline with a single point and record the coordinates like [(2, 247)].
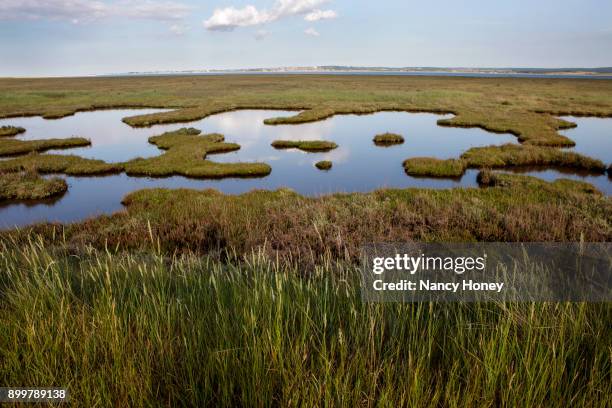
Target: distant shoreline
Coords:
[(356, 72)]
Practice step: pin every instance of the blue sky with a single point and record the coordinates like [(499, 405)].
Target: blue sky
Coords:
[(84, 37)]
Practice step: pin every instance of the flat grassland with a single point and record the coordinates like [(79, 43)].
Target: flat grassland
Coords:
[(524, 107), (199, 298)]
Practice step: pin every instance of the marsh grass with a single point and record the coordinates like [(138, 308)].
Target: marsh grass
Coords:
[(10, 147), (132, 329), (28, 185), (305, 145), (283, 222), (510, 155), (388, 139), (507, 155), (185, 154), (475, 101), (10, 130), (489, 178), (323, 165), (55, 163), (310, 115), (433, 167)]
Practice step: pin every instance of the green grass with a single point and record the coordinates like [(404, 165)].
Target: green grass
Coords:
[(200, 298), (507, 155), (29, 185), (387, 139), (323, 165), (11, 130), (305, 145), (310, 115), (55, 163), (489, 178), (185, 154), (510, 155), (432, 167), (10, 147), (524, 107), (122, 329)]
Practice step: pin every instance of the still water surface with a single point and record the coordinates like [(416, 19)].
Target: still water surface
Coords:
[(358, 165)]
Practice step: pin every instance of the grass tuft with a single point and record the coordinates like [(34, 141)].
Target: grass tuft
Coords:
[(387, 139), (11, 130), (28, 185), (432, 167), (305, 145), (323, 165)]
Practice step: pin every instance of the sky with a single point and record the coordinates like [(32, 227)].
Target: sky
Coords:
[(85, 37)]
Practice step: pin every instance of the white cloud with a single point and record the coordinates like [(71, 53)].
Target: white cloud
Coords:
[(294, 7), (228, 18), (317, 15), (311, 31), (86, 10)]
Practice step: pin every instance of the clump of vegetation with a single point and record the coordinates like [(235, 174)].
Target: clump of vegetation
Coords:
[(489, 178), (525, 155), (185, 154), (507, 155), (305, 145), (55, 163), (534, 129), (323, 165), (309, 115), (12, 147), (432, 167), (11, 130), (28, 185), (387, 139)]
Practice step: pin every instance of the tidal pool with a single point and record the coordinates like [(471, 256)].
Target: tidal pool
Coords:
[(111, 139), (358, 164), (593, 137)]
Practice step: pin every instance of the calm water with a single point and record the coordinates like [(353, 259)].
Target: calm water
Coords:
[(593, 137), (358, 165), (111, 139), (388, 73)]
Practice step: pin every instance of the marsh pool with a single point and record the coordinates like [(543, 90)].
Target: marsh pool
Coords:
[(358, 164)]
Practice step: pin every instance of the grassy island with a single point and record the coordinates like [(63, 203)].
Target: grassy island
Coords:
[(10, 130), (323, 165), (28, 185), (305, 145), (388, 139), (185, 154)]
